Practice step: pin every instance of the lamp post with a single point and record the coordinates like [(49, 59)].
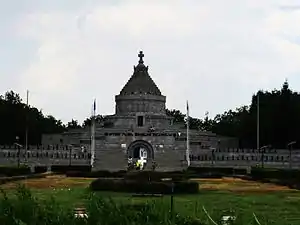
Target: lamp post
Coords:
[(19, 147), (262, 151), (70, 154), (290, 147), (212, 155)]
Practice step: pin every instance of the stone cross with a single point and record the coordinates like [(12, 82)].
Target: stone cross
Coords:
[(141, 55), (142, 162)]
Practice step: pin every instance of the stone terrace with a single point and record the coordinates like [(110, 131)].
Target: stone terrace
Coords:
[(64, 155)]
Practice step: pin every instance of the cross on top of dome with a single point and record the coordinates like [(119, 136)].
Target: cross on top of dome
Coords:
[(140, 82), (141, 55)]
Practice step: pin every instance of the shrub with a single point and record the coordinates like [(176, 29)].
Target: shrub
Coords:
[(96, 174), (286, 177), (240, 171), (156, 176), (216, 172), (14, 171), (134, 175), (4, 180), (281, 174), (66, 168), (186, 187), (25, 209), (40, 169), (136, 186)]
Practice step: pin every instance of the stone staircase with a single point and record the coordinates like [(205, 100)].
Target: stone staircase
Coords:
[(113, 160), (169, 160)]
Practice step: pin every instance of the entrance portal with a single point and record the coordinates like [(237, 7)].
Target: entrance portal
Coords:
[(140, 148), (140, 151)]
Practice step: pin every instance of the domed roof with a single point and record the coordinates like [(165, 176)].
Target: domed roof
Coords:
[(140, 82)]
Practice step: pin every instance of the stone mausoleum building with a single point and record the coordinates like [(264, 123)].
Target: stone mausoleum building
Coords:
[(141, 127), (140, 123)]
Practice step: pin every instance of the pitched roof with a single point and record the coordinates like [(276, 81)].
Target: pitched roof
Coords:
[(140, 82)]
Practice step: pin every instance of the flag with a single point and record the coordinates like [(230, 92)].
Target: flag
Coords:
[(187, 110), (187, 106), (187, 134), (94, 105)]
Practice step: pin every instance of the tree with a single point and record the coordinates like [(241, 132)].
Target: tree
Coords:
[(12, 98), (99, 119), (178, 117), (279, 112), (15, 116), (73, 124)]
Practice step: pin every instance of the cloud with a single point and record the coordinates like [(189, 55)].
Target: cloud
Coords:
[(214, 54)]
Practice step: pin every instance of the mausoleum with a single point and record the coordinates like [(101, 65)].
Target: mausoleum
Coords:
[(140, 127)]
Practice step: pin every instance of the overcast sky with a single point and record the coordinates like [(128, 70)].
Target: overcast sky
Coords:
[(215, 53)]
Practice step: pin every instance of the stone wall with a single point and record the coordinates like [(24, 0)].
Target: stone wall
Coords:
[(132, 104), (44, 155), (277, 158), (113, 157)]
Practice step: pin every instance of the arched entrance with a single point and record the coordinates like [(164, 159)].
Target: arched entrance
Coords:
[(140, 148)]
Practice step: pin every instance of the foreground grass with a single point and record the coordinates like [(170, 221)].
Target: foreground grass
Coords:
[(25, 209), (274, 205), (274, 208)]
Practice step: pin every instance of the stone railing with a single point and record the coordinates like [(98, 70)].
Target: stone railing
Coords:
[(279, 158), (43, 157), (43, 147), (65, 155)]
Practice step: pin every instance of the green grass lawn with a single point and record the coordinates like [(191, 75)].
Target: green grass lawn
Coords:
[(272, 207), (277, 208)]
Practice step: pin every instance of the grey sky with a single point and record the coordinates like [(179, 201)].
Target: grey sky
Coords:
[(214, 53)]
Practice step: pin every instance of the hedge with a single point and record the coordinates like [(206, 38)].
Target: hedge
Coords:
[(66, 168), (8, 171), (281, 174), (156, 176), (286, 177), (144, 175), (217, 171), (96, 174), (135, 186), (40, 169), (192, 172), (134, 175), (4, 180)]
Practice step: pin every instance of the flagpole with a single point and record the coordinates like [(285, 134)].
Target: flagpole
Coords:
[(93, 134), (187, 135), (26, 129), (257, 125)]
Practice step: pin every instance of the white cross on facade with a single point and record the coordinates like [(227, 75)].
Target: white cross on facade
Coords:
[(142, 161)]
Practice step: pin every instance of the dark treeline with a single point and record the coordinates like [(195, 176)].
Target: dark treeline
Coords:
[(279, 120), (14, 115)]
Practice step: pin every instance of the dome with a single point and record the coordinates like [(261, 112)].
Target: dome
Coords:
[(140, 82)]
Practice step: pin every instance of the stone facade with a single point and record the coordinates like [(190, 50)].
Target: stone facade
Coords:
[(140, 122)]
